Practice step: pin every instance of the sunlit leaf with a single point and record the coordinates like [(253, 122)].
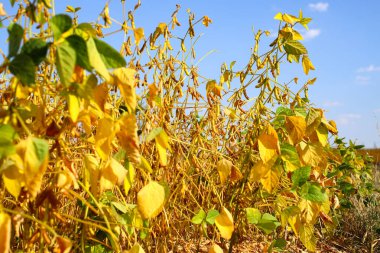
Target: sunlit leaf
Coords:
[(139, 34), (260, 169), (211, 216), (253, 215), (151, 200), (13, 174), (162, 144), (307, 64), (110, 56), (311, 153), (213, 87), (268, 223), (225, 223), (125, 81), (301, 175), (96, 61), (322, 134), (224, 167), (268, 144), (271, 179), (79, 45), (294, 47), (309, 211), (112, 174), (307, 237), (66, 58), (136, 249), (290, 157), (59, 24), (104, 136), (74, 107), (92, 174), (198, 217), (5, 232), (215, 248), (296, 127), (289, 19), (313, 193), (127, 136)]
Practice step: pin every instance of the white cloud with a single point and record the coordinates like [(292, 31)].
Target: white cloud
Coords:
[(346, 119), (320, 6), (311, 34), (331, 103), (369, 69), (363, 80)]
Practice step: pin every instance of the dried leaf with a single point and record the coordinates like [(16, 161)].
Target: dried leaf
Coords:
[(124, 78), (224, 167), (127, 136), (215, 248), (268, 144), (296, 127)]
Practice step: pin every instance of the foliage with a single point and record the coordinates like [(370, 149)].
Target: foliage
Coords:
[(104, 151)]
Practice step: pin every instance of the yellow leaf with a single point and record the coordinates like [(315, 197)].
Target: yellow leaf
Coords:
[(125, 80), (5, 233), (296, 127), (212, 87), (128, 138), (100, 94), (310, 153), (225, 223), (224, 167), (215, 248), (322, 134), (112, 174), (278, 16), (130, 178), (144, 164), (139, 34), (307, 237), (105, 133), (271, 179), (96, 61), (2, 11), (206, 21), (151, 200), (74, 107), (260, 169), (268, 144), (92, 174), (307, 64), (290, 18), (162, 143), (12, 174), (64, 245), (309, 211), (135, 249), (66, 180)]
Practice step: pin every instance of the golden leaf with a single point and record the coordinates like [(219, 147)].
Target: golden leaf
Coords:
[(105, 133), (12, 174), (92, 174), (322, 134), (127, 136), (307, 237), (215, 248), (112, 174), (74, 107), (130, 178), (235, 174), (289, 18), (124, 78), (260, 169), (307, 64), (310, 153), (64, 245), (268, 144), (206, 21), (271, 179), (162, 143), (5, 233), (139, 34), (100, 94), (224, 167), (151, 200), (296, 127), (309, 211), (225, 223), (212, 87), (135, 249)]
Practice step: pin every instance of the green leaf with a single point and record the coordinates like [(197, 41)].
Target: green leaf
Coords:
[(279, 245), (119, 206), (211, 216), (290, 157), (300, 176), (7, 135), (42, 148), (153, 134), (294, 47), (36, 49), (253, 215), (66, 58), (16, 33), (76, 42), (60, 24), (313, 193), (22, 66), (110, 56), (268, 223), (12, 2), (87, 28), (199, 217)]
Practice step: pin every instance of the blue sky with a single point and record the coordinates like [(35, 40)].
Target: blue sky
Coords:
[(342, 43)]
